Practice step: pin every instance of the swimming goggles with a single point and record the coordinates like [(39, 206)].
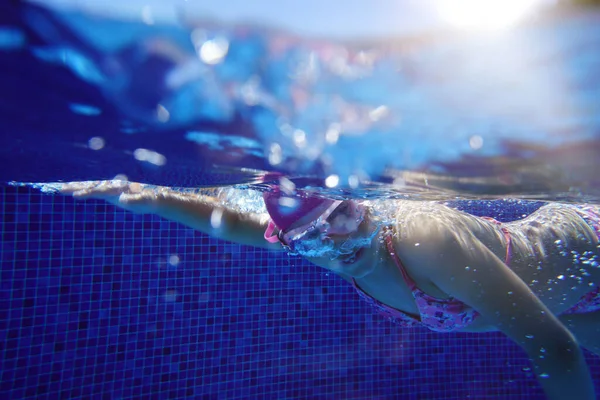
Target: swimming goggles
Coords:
[(341, 218)]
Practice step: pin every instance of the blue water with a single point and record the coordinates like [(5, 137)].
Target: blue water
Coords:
[(98, 303), (514, 113)]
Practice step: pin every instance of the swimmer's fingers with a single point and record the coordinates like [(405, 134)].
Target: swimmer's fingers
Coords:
[(107, 190), (73, 187), (131, 196)]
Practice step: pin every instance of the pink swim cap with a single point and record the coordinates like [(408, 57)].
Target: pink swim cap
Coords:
[(292, 211)]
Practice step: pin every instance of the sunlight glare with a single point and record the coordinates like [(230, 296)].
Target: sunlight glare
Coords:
[(485, 14)]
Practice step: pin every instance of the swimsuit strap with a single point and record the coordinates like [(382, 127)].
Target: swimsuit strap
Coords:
[(507, 236), (390, 246), (440, 315)]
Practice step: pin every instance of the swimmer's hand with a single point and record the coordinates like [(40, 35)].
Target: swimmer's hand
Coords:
[(131, 196)]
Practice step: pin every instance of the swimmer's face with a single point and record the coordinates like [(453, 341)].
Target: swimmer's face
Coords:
[(342, 244), (345, 219), (342, 218)]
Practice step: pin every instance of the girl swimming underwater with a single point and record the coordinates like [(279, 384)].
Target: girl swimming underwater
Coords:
[(536, 280)]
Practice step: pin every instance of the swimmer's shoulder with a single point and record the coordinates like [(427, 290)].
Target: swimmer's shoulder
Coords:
[(413, 219), (418, 232)]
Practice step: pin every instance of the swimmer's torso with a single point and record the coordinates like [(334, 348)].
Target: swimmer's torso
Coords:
[(548, 250)]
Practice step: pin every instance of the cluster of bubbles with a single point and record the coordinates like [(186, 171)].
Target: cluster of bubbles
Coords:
[(580, 262), (585, 259)]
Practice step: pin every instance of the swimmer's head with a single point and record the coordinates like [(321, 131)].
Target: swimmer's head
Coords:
[(291, 211), (316, 227)]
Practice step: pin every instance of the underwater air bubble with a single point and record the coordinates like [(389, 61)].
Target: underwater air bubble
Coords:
[(299, 137), (216, 218), (476, 142), (353, 181), (378, 113), (333, 133), (162, 114), (332, 181), (150, 156), (174, 260), (275, 154), (96, 143), (214, 51)]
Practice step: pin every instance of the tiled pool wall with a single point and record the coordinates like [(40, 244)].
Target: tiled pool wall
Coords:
[(98, 303)]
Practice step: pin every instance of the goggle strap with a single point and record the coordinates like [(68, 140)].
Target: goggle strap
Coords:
[(269, 237)]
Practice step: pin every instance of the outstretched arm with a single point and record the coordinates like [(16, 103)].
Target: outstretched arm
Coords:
[(476, 276), (201, 212)]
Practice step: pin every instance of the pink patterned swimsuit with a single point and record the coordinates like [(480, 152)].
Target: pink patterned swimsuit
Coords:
[(439, 315)]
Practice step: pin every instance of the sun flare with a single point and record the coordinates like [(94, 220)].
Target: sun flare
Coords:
[(485, 14)]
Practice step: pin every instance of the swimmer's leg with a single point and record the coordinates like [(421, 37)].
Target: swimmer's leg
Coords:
[(586, 328)]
